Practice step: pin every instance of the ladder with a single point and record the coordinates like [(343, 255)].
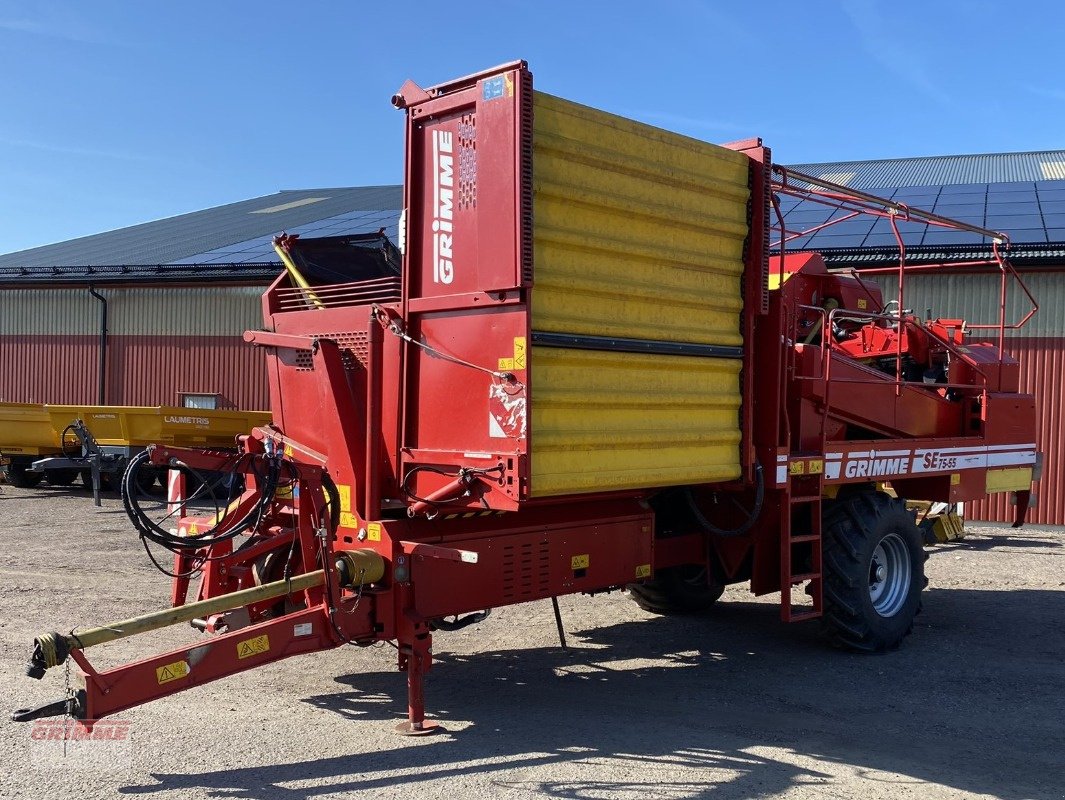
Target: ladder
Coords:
[(800, 540)]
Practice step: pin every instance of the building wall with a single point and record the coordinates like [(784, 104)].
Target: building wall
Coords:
[(1040, 348), (161, 341)]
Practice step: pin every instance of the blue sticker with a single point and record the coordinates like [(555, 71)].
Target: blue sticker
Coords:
[(494, 89)]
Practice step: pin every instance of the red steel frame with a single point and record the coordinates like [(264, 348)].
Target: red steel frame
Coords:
[(384, 389)]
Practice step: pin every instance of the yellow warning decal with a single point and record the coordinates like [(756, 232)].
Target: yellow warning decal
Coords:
[(288, 451), (344, 490), (579, 562), (518, 361), (283, 492), (815, 466), (193, 529), (373, 531), (797, 468), (171, 672), (955, 478), (348, 520), (253, 647), (863, 303), (643, 571)]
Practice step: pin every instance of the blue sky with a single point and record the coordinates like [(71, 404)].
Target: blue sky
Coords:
[(120, 112)]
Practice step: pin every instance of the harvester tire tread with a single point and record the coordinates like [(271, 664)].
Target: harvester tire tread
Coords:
[(673, 592), (852, 528)]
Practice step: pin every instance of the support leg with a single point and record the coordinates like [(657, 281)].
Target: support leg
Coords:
[(558, 623), (417, 657)]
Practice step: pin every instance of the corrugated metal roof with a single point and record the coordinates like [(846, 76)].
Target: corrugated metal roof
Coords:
[(942, 170), (212, 230)]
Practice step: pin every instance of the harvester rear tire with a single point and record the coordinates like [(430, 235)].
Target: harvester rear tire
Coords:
[(22, 478), (873, 572), (676, 590)]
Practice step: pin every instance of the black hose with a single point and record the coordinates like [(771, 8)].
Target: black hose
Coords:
[(746, 525), (151, 531)]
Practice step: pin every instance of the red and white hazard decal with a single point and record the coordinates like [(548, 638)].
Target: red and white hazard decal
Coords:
[(506, 412)]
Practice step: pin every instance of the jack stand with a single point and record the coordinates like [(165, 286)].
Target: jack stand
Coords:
[(558, 623), (414, 657)]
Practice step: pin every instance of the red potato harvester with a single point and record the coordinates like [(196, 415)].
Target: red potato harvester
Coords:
[(591, 364)]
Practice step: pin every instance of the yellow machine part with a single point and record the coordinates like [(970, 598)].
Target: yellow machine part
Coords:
[(605, 421), (26, 428), (948, 527), (638, 233), (144, 425)]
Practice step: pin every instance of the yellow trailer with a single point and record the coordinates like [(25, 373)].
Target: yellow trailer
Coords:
[(38, 440)]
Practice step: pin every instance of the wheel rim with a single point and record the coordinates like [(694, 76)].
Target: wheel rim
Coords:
[(890, 575)]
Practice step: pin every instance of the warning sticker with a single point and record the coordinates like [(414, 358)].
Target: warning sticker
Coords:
[(348, 520), (373, 531), (518, 360), (579, 562), (253, 647), (344, 490), (171, 672), (643, 571)]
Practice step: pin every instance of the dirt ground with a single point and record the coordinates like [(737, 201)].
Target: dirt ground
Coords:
[(733, 704)]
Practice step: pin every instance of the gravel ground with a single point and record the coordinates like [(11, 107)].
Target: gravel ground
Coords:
[(730, 705)]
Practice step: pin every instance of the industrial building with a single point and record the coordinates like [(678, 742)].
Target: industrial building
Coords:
[(154, 314)]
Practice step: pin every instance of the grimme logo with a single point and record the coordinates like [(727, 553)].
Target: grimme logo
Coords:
[(72, 730), (443, 199), (66, 743)]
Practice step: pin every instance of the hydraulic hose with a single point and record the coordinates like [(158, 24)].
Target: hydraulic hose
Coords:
[(746, 525)]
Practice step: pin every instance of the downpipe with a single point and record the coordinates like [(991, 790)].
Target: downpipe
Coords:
[(101, 390)]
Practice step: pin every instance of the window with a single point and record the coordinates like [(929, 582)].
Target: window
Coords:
[(189, 400)]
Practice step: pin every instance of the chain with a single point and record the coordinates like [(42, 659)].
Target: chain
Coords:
[(358, 592)]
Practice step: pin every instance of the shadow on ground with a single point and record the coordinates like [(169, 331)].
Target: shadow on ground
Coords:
[(729, 705)]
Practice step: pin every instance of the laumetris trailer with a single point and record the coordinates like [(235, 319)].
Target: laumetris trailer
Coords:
[(590, 370)]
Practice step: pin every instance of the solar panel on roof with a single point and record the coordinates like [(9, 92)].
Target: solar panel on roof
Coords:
[(964, 188), (1033, 236), (823, 240), (951, 237), (960, 209), (1010, 207), (1011, 222), (910, 238)]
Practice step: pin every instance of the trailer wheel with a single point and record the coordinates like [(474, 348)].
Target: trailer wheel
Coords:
[(676, 590), (873, 572), (22, 478)]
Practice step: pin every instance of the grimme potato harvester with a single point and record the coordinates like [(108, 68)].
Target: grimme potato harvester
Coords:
[(591, 364)]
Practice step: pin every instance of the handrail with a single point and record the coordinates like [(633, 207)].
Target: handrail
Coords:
[(843, 198)]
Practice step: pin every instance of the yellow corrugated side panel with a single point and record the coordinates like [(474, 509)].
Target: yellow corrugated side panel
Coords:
[(604, 421), (637, 232)]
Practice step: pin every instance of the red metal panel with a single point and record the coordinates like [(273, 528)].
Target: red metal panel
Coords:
[(153, 370), (142, 370), (467, 254), (48, 369), (1042, 367)]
